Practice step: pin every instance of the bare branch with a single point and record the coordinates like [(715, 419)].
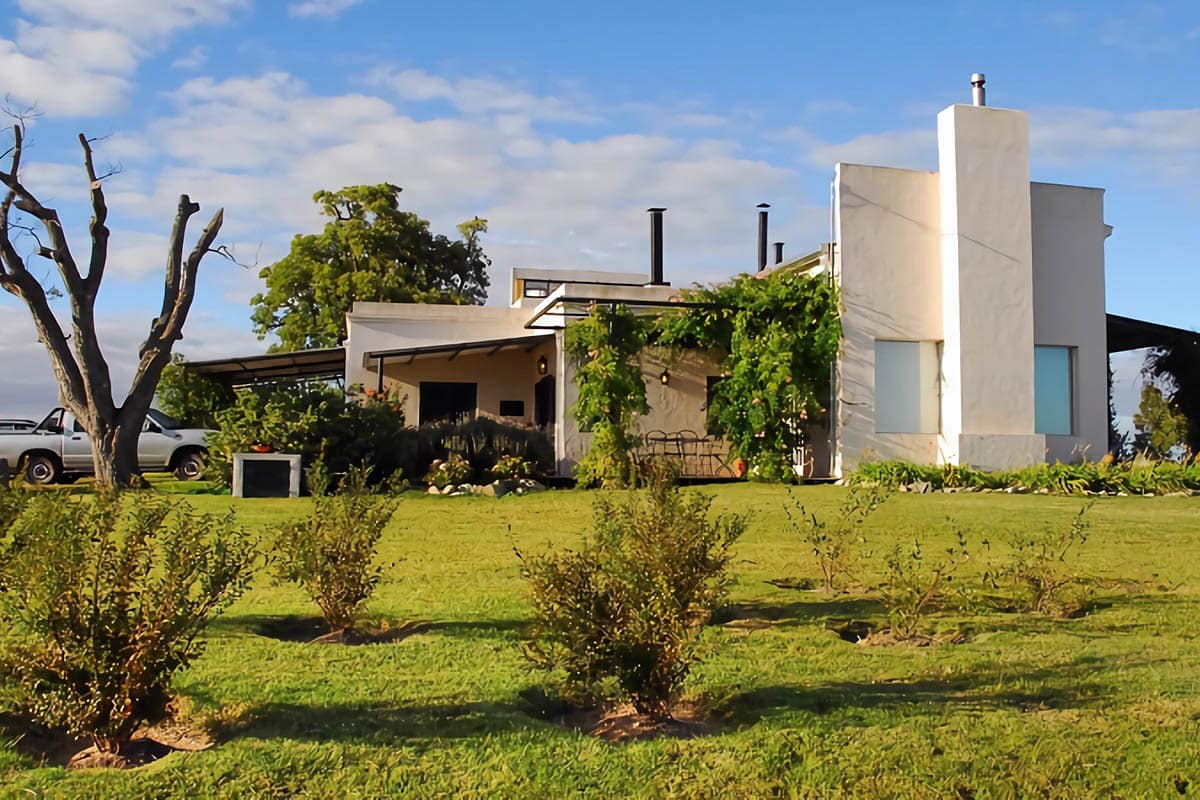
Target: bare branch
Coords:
[(98, 228)]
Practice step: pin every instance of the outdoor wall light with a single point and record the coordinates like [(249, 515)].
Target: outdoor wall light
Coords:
[(542, 366), (665, 378)]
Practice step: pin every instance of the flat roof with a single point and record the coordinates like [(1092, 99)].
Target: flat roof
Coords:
[(491, 346), (302, 364), (581, 276), (1127, 333)]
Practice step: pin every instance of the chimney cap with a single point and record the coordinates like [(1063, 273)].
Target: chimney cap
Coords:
[(977, 78), (653, 210), (763, 205)]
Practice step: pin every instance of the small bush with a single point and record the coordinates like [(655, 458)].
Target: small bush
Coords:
[(837, 544), (332, 553), (1038, 571), (483, 441), (628, 606), (454, 471), (513, 468), (914, 584), (102, 608), (13, 500)]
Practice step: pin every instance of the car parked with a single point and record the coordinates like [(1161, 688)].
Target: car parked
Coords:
[(58, 447)]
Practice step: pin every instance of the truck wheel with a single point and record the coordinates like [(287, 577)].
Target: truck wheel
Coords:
[(42, 469), (190, 466)]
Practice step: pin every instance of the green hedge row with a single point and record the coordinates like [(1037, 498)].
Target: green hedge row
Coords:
[(1140, 476)]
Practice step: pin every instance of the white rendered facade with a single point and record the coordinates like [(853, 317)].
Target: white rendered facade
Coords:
[(973, 317), (981, 267)]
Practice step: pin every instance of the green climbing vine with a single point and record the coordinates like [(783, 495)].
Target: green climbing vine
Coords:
[(776, 339), (605, 349)]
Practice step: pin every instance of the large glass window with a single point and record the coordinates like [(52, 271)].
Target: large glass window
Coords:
[(1054, 401), (907, 387)]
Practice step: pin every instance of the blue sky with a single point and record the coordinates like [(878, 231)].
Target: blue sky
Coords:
[(561, 123)]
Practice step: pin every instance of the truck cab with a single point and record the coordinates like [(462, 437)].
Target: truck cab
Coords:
[(59, 446)]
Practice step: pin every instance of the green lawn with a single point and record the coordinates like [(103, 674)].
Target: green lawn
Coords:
[(1103, 706)]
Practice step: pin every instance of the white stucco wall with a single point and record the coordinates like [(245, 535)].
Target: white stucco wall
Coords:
[(987, 289), (383, 326), (506, 375), (888, 268), (1068, 305)]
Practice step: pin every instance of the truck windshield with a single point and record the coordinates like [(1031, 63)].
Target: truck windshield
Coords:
[(53, 422), (162, 420)]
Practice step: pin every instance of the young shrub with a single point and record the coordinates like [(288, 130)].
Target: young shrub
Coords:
[(13, 500), (627, 608), (513, 468), (913, 584), (102, 607), (1039, 572), (837, 544), (454, 471), (332, 553)]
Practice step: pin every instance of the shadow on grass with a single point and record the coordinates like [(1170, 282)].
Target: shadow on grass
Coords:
[(799, 612), (376, 722), (1033, 689), (305, 628)]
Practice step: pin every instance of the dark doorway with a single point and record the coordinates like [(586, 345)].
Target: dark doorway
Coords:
[(543, 402), (447, 402)]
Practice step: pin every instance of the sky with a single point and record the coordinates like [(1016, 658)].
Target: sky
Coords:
[(560, 123)]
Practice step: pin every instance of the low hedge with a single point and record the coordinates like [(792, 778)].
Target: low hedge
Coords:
[(1140, 476)]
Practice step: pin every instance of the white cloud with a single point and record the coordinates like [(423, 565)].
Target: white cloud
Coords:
[(913, 149), (193, 59), (261, 146), (1158, 145), (77, 57), (478, 95), (321, 8)]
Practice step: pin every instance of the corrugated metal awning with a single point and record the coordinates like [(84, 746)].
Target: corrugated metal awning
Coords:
[(322, 364)]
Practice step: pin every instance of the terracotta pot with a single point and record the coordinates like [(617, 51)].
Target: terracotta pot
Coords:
[(261, 448), (739, 467)]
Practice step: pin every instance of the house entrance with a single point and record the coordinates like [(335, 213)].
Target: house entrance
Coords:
[(543, 402), (447, 402)]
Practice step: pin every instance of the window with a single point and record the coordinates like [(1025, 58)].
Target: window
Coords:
[(446, 402), (537, 288), (512, 408), (1053, 394), (907, 387)]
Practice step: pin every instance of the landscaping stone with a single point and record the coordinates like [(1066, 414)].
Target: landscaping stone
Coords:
[(530, 485), (434, 490)]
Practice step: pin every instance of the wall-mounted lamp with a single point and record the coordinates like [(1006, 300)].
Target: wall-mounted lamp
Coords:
[(542, 366), (665, 378)]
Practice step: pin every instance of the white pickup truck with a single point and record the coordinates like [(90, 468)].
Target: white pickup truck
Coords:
[(59, 447)]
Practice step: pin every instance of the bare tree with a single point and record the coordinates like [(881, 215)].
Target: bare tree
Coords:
[(78, 362)]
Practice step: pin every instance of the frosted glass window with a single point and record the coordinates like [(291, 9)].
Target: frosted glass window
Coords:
[(906, 387), (1053, 401)]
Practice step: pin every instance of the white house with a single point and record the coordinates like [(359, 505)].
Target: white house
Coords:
[(973, 315)]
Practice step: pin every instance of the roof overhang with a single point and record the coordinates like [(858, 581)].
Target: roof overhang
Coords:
[(1126, 333), (323, 364), (453, 350)]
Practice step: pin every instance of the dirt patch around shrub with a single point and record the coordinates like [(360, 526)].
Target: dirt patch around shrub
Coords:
[(869, 634), (618, 723), (313, 630), (55, 748)]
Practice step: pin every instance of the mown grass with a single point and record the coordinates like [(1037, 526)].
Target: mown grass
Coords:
[(1102, 706)]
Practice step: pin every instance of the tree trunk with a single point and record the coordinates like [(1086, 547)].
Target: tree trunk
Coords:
[(77, 360)]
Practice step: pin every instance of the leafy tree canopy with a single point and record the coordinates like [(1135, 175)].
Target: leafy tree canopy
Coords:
[(1161, 428), (1179, 367), (370, 251)]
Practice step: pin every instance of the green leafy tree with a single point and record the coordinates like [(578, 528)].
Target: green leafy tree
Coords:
[(605, 348), (776, 338), (191, 398), (370, 251), (1179, 364), (1162, 430)]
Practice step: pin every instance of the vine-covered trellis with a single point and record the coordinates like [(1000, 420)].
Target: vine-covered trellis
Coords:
[(775, 337)]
